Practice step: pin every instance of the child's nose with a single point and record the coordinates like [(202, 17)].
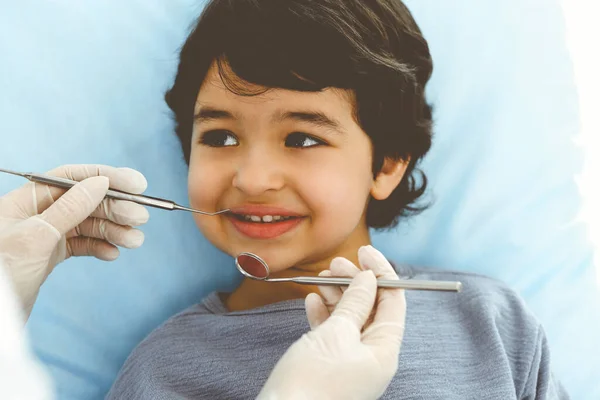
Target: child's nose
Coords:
[(258, 172)]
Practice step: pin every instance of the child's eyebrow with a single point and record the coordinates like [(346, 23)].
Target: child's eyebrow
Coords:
[(206, 114), (317, 118)]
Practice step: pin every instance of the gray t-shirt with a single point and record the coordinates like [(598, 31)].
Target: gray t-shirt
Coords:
[(481, 343)]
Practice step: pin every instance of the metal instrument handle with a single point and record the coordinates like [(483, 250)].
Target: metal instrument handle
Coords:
[(447, 286), (112, 193)]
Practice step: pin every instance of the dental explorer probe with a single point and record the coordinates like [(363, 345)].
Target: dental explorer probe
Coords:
[(112, 193)]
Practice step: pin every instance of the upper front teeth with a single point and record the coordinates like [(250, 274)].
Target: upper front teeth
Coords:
[(264, 218)]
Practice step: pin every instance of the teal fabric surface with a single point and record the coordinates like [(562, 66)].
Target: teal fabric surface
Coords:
[(83, 82)]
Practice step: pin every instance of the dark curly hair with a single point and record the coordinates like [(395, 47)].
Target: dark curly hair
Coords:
[(372, 47)]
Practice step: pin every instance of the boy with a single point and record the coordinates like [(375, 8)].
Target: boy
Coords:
[(307, 118)]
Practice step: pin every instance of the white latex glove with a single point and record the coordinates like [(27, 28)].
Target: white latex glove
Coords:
[(352, 350), (41, 226), (21, 376)]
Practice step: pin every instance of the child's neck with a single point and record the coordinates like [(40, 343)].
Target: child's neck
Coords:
[(252, 294)]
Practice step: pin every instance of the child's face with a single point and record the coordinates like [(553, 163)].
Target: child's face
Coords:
[(281, 153)]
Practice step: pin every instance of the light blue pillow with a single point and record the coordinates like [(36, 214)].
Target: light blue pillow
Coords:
[(84, 82)]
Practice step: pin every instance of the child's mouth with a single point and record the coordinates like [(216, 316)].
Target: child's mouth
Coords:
[(263, 226), (265, 219)]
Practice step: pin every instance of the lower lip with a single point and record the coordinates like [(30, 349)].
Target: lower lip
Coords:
[(258, 230)]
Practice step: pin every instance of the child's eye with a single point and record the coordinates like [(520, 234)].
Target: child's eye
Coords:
[(302, 140), (218, 138)]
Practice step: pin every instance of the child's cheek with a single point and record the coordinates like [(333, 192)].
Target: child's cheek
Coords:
[(337, 196), (205, 190), (206, 182), (199, 198)]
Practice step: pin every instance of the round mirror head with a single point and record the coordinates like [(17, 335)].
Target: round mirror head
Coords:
[(252, 266)]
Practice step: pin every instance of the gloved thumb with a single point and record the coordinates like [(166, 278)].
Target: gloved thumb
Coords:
[(358, 300), (76, 205), (316, 310)]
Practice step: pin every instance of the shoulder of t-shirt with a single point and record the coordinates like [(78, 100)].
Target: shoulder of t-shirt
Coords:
[(489, 306), (483, 291)]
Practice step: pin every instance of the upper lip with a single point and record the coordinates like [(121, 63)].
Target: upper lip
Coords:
[(262, 210)]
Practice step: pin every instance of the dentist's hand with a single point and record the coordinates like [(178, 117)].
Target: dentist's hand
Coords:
[(352, 350), (41, 226)]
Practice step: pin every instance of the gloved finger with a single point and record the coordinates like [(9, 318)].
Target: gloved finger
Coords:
[(371, 258), (316, 310), (119, 235), (76, 204), (387, 328), (36, 198), (122, 212), (343, 267), (86, 246), (124, 179), (358, 301), (391, 303), (339, 267), (385, 334), (331, 294)]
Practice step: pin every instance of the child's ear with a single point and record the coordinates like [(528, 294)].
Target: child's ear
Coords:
[(389, 177)]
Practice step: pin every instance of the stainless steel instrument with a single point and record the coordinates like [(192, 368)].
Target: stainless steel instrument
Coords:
[(112, 194)]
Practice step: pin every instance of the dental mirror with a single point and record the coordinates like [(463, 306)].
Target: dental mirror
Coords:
[(254, 267)]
